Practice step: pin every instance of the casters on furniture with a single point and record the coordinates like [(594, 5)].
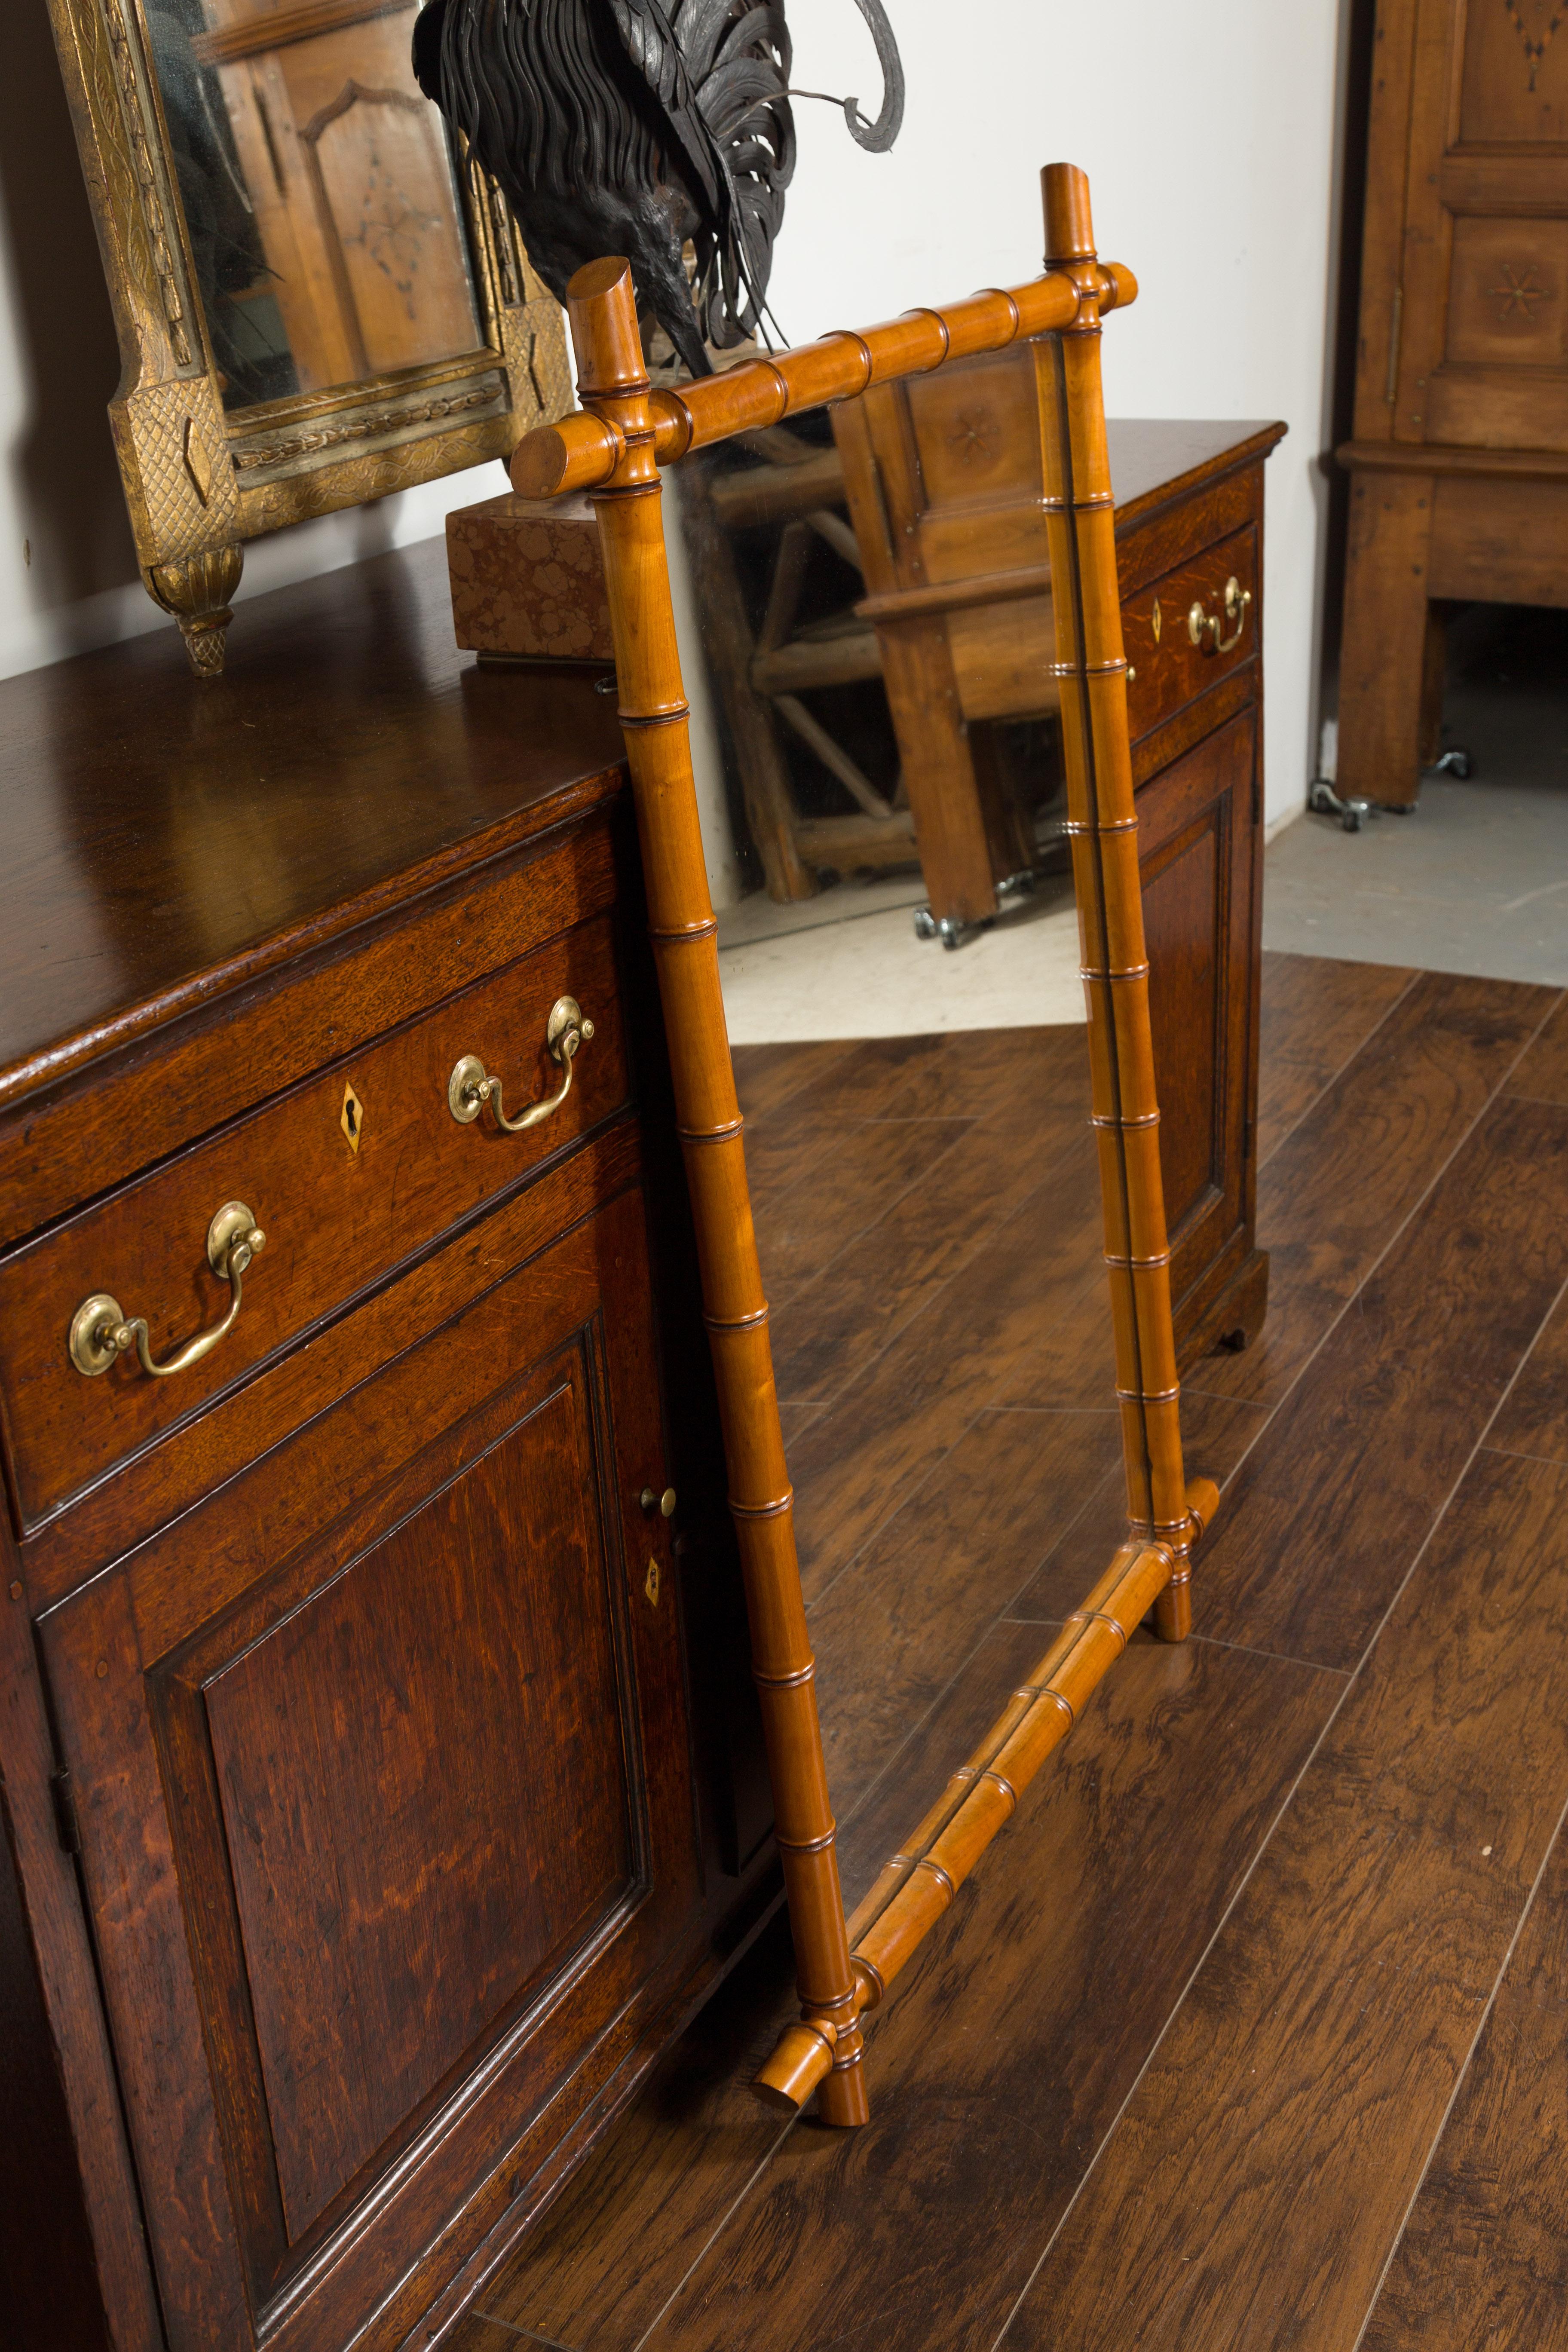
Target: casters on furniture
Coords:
[(1453, 763), (945, 928), (1323, 801), (952, 932)]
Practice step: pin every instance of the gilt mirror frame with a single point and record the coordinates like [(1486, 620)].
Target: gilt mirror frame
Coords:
[(200, 480)]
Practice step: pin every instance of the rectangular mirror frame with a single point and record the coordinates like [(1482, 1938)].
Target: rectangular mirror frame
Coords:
[(198, 481)]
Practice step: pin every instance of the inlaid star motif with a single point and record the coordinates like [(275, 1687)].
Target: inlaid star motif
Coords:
[(974, 438), (1519, 294), (1534, 48)]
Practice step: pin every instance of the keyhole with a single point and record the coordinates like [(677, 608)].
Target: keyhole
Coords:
[(353, 1118)]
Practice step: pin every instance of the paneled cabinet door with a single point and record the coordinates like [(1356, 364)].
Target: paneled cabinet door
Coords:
[(1481, 313), (1198, 841), (381, 1769)]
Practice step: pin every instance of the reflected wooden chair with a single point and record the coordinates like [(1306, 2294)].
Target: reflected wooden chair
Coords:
[(613, 448), (795, 491)]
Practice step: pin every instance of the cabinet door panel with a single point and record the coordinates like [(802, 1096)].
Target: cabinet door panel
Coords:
[(379, 1846), (423, 1793), (1197, 832), (1483, 311)]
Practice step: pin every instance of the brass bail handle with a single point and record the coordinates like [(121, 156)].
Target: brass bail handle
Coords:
[(100, 1332), (1206, 630), (468, 1088)]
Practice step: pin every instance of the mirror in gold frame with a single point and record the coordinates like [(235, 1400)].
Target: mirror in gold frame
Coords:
[(317, 302)]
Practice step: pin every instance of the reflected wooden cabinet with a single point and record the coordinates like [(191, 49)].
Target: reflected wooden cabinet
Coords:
[(944, 481), (1459, 460), (1189, 534), (382, 1771), (345, 169), (1200, 838)]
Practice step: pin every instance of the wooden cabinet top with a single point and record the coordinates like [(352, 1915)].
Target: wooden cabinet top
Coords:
[(168, 839), (1155, 461)]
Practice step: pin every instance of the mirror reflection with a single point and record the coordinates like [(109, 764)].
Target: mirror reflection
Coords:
[(318, 188), (870, 584)]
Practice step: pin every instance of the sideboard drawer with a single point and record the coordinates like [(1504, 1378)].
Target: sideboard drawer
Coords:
[(1185, 632), (347, 1175)]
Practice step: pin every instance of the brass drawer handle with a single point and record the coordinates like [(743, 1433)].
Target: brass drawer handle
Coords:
[(468, 1088), (1206, 629), (99, 1332)]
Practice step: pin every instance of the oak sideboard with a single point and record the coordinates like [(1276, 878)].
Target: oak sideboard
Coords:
[(373, 1817)]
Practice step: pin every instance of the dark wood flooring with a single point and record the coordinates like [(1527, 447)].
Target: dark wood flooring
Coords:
[(1251, 2032)]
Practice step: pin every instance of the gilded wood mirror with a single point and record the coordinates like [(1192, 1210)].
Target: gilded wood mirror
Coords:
[(317, 300)]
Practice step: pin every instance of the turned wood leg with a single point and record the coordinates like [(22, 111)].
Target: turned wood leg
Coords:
[(1391, 663), (764, 777), (947, 792)]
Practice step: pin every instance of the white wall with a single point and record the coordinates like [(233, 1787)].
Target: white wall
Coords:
[(1207, 130), (1209, 134)]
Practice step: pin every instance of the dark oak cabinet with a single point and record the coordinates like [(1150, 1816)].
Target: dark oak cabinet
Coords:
[(382, 1792), (381, 1774)]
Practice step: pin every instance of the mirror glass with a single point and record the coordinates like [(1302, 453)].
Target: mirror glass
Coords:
[(870, 583), (318, 192)]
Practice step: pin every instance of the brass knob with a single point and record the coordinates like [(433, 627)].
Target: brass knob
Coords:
[(664, 1504)]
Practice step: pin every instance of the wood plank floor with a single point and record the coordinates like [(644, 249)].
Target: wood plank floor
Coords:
[(1251, 2032)]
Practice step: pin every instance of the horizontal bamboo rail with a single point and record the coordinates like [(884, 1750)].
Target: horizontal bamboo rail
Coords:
[(613, 448), (583, 450), (920, 1882)]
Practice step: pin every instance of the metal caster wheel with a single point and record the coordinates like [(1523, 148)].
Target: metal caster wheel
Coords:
[(945, 928), (1453, 763), (1323, 801)]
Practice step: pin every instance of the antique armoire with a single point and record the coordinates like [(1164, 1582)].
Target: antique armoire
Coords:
[(1460, 451)]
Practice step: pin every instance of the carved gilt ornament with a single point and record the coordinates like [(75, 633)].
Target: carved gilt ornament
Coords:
[(230, 196)]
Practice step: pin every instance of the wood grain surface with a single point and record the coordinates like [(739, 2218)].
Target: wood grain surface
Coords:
[(1315, 1013), (1418, 1215), (1263, 2168), (1019, 2029), (1370, 1147), (1543, 1072), (1356, 1463), (162, 846), (1483, 2261)]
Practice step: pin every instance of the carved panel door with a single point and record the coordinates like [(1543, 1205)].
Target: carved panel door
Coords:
[(381, 1763), (1197, 844), (1482, 357), (346, 168)]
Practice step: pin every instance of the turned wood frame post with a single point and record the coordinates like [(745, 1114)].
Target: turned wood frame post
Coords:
[(614, 386), (1080, 523)]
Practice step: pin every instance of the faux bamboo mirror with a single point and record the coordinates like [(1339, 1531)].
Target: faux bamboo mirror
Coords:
[(318, 299), (613, 449)]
